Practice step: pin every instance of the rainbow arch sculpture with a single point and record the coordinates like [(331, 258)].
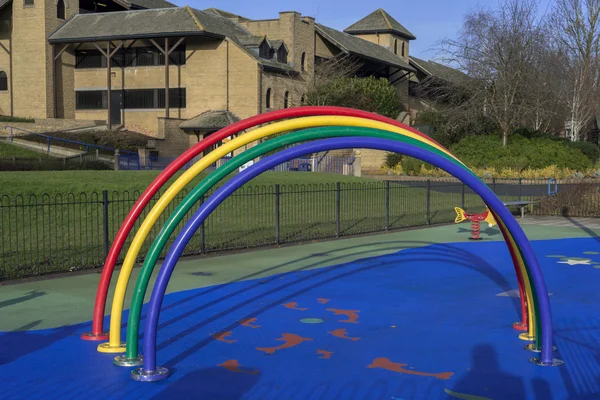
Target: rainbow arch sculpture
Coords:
[(342, 128)]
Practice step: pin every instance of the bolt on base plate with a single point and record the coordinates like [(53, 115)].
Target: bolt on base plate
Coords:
[(124, 361), (141, 375)]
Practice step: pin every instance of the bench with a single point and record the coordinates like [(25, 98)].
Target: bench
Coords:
[(521, 204)]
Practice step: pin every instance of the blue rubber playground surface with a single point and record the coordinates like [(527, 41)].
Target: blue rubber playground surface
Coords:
[(427, 323)]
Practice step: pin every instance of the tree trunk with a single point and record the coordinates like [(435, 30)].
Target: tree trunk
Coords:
[(504, 137)]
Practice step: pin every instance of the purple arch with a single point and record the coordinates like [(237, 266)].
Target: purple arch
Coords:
[(149, 372)]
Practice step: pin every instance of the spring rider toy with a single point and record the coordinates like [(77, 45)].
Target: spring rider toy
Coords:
[(476, 220)]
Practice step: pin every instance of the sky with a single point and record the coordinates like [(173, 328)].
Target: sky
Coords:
[(428, 20)]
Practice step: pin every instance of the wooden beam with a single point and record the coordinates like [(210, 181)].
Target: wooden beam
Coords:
[(175, 45), (157, 46), (166, 53), (108, 56), (131, 44), (65, 47), (116, 48), (100, 50)]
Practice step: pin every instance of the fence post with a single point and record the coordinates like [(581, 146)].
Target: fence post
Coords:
[(117, 160), (520, 187), (494, 185), (48, 145), (387, 205), (428, 202), (105, 221), (277, 214), (11, 133), (462, 199), (97, 155), (338, 200)]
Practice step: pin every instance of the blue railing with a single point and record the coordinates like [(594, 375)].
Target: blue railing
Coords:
[(333, 165), (127, 159)]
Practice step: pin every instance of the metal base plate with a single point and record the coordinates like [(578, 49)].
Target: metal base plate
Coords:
[(139, 374), (554, 363), (526, 336), (519, 326), (107, 348), (123, 361), (531, 347), (94, 336)]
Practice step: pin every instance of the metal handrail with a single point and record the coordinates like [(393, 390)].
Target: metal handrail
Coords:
[(49, 138)]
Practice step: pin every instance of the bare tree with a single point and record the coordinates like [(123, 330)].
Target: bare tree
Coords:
[(497, 48), (327, 72), (577, 32)]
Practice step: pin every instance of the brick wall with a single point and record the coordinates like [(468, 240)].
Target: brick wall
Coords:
[(243, 83), (29, 59), (175, 141)]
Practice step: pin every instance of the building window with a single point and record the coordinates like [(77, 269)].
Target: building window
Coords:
[(395, 46), (153, 98), (133, 99), (286, 100), (91, 100), (134, 57), (60, 9), (403, 49), (282, 55), (268, 99), (3, 81), (303, 62), (28, 3)]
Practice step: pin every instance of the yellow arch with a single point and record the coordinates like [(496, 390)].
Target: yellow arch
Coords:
[(114, 345)]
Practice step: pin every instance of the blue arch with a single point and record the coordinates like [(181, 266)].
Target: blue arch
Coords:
[(493, 202)]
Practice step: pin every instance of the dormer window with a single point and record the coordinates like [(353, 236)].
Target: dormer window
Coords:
[(28, 3), (403, 49), (264, 50), (282, 55)]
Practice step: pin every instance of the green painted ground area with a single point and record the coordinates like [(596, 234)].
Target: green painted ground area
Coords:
[(63, 300)]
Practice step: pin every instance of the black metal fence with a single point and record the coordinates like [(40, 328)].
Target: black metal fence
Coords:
[(47, 234)]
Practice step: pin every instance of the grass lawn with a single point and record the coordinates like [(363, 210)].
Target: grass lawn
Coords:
[(60, 231), (10, 150), (63, 182)]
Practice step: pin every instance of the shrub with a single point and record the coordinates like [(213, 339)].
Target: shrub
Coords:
[(368, 94), (448, 132), (572, 200), (591, 150), (7, 118), (392, 159), (520, 154)]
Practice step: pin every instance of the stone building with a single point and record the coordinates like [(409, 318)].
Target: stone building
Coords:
[(174, 73)]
